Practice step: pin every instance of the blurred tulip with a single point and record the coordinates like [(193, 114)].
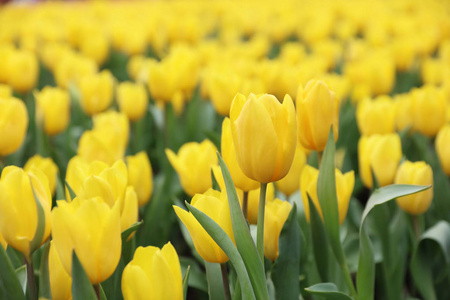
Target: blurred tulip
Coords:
[(403, 110), (13, 125), (23, 71), (442, 145), (5, 91), (253, 202), (317, 110), (376, 116), (153, 274), (277, 212), (72, 67), (96, 92), (95, 46), (222, 88), (132, 100), (140, 176), (381, 155), (52, 109), (290, 183), (46, 166), (264, 135), (60, 281), (428, 110)]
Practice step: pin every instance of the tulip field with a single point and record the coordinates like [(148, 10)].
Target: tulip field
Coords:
[(195, 149)]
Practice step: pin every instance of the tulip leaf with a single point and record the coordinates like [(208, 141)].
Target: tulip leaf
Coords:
[(10, 287), (40, 228), (243, 238), (59, 189), (71, 192), (286, 270), (214, 279), (197, 277), (44, 277), (327, 290), (186, 281), (81, 286), (21, 274), (422, 260), (226, 244), (127, 232)]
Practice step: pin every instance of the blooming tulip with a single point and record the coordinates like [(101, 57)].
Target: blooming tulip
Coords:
[(47, 166), (60, 281), (140, 176), (53, 109), (96, 92), (277, 212), (132, 99), (13, 125), (290, 183), (443, 148)]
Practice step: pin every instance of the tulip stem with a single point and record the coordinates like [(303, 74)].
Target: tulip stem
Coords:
[(416, 225), (348, 280), (245, 204), (31, 279), (226, 284), (97, 290), (260, 225)]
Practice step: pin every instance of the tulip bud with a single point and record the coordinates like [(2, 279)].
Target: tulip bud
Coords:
[(418, 173), (23, 71), (72, 67), (91, 228), (138, 68), (132, 100), (215, 205), (277, 212), (376, 116), (13, 125), (317, 110), (46, 166), (264, 135), (403, 117), (140, 176), (443, 148), (381, 155), (5, 91), (153, 274), (428, 110), (96, 92), (193, 164), (95, 46), (53, 109), (222, 87), (60, 281), (290, 183)]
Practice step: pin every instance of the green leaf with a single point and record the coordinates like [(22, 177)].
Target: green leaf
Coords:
[(60, 195), (197, 277), (81, 286), (21, 274), (243, 238), (286, 270), (71, 192), (127, 232), (10, 287), (112, 285), (44, 277), (327, 290), (225, 243), (186, 281), (214, 279), (36, 242)]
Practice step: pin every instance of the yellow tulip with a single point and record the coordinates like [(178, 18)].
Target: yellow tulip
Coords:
[(132, 100), (91, 228), (140, 176), (72, 67), (290, 183), (403, 118), (215, 205), (418, 173), (6, 50), (138, 68), (376, 116), (60, 281), (264, 135), (428, 110), (381, 155), (5, 91), (46, 166), (344, 189), (18, 208), (240, 180), (13, 125), (277, 212), (317, 110), (95, 46), (222, 87), (53, 109), (96, 92), (153, 274), (3, 243), (193, 164), (442, 145), (23, 70)]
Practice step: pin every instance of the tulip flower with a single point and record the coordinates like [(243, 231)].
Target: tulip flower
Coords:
[(46, 166), (403, 116), (140, 176), (22, 70), (418, 173), (60, 280), (193, 164), (52, 109), (376, 116), (428, 110), (95, 45), (290, 183), (132, 99), (91, 228), (153, 274), (277, 212), (442, 144), (13, 125), (317, 110), (215, 205), (72, 67), (18, 208), (381, 155), (96, 92), (5, 91), (222, 87)]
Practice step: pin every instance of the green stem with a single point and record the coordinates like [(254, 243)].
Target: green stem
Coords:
[(30, 279), (97, 290), (319, 158), (348, 279), (416, 225), (260, 225), (245, 204), (226, 284)]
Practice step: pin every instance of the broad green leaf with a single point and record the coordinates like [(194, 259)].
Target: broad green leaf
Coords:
[(44, 277), (36, 242), (21, 274), (112, 285), (243, 238), (10, 287), (127, 232), (214, 279), (60, 195), (186, 281), (81, 286), (197, 277), (328, 290)]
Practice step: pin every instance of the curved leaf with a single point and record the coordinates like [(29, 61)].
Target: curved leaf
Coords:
[(81, 286), (186, 281), (127, 232), (328, 290), (21, 274), (10, 287), (214, 279), (44, 277)]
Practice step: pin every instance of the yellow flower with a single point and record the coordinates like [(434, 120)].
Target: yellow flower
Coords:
[(18, 208), (215, 205), (140, 176), (277, 212), (23, 70), (376, 116), (13, 125), (53, 109), (60, 281), (253, 202), (46, 166), (72, 67), (290, 183), (95, 46), (222, 87), (344, 189), (96, 92), (91, 228), (5, 91), (381, 155), (193, 164), (132, 100), (442, 145), (153, 274), (418, 173), (403, 117), (428, 110), (317, 110), (264, 135)]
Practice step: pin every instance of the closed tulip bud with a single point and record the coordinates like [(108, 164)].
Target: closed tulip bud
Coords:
[(46, 166), (428, 110), (277, 212), (381, 155), (376, 116), (344, 189), (60, 280), (317, 110), (96, 47), (138, 68), (18, 208), (53, 109), (91, 228), (417, 173), (5, 91), (264, 135), (442, 144), (6, 50), (153, 274), (23, 70), (215, 205), (403, 110), (140, 176), (13, 125), (193, 164), (290, 183), (72, 68), (222, 87), (96, 92), (132, 100)]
